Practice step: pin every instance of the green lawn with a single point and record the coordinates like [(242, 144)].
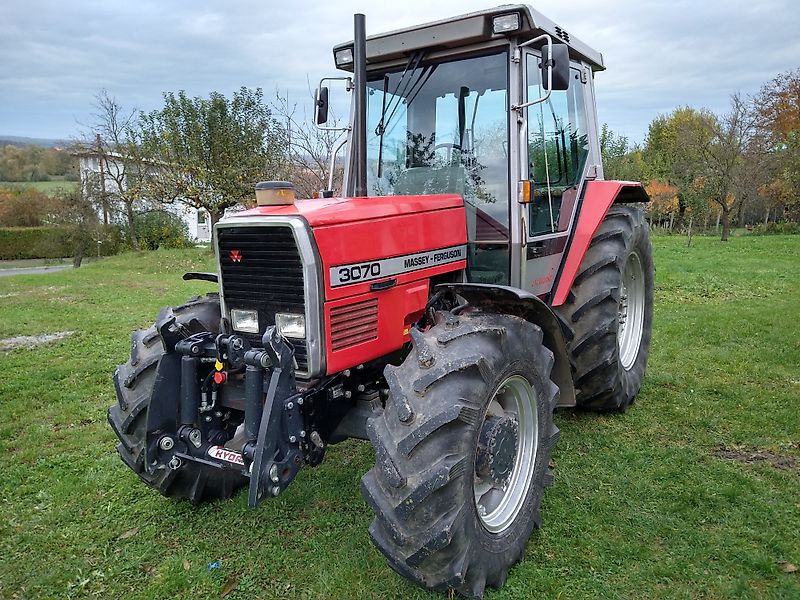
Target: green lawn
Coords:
[(48, 187), (693, 493)]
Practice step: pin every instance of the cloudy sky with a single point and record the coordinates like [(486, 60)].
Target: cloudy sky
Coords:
[(55, 56)]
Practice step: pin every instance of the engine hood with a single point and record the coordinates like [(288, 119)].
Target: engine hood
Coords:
[(367, 267), (335, 211)]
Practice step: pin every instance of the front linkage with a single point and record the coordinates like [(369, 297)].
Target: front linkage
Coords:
[(201, 381)]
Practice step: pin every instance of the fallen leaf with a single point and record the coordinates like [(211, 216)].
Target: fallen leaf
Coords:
[(786, 566), (185, 565), (229, 587), (127, 534)]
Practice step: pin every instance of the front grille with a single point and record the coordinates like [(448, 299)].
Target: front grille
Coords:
[(261, 270), (354, 324)]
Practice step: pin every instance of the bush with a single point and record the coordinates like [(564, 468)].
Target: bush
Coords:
[(23, 207), (31, 242), (112, 239), (53, 242), (160, 229), (786, 227)]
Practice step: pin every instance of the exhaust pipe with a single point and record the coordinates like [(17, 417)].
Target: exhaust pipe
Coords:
[(359, 133)]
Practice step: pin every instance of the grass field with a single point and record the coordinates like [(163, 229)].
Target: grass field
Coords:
[(693, 493), (48, 187)]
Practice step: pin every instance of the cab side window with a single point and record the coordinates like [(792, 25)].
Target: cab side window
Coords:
[(557, 149)]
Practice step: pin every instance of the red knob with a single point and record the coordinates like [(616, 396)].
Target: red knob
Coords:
[(220, 377)]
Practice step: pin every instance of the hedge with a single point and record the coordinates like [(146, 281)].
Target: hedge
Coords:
[(786, 227), (31, 242), (49, 242)]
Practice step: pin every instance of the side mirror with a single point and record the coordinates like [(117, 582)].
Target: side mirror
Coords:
[(321, 105), (559, 61)]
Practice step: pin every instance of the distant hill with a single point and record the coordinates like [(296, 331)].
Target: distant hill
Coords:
[(16, 140)]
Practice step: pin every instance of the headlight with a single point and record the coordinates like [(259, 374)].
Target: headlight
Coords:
[(244, 320), (290, 326)]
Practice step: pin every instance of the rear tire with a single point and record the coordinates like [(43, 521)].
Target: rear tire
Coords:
[(435, 522), (608, 317), (134, 381)]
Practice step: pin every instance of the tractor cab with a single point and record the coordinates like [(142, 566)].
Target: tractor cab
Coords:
[(467, 106)]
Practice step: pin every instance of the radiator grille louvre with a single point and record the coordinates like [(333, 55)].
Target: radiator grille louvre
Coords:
[(354, 324), (261, 270)]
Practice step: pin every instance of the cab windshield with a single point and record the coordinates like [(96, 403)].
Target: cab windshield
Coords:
[(438, 128)]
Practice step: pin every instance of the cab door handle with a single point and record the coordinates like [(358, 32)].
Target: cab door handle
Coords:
[(524, 236)]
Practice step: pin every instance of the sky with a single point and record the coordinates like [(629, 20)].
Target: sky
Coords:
[(56, 56)]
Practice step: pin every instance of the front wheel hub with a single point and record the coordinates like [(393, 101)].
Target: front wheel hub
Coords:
[(497, 449)]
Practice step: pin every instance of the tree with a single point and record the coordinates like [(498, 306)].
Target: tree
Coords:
[(778, 108), (34, 163), (210, 152), (621, 160), (778, 104), (78, 225), (776, 195), (729, 156), (309, 148), (663, 201), (113, 136), (672, 153)]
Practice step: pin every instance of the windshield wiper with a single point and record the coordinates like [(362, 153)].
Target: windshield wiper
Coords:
[(380, 128), (411, 65)]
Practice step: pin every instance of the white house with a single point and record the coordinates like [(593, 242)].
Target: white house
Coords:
[(91, 167)]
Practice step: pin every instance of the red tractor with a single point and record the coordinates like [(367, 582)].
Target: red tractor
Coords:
[(476, 273)]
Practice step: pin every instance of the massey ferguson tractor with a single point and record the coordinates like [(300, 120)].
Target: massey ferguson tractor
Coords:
[(475, 273)]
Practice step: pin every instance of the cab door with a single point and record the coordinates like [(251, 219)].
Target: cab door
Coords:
[(557, 151)]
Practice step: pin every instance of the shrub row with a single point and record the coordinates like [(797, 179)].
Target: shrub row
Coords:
[(786, 227), (51, 242), (30, 242)]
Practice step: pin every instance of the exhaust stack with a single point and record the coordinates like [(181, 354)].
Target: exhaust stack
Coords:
[(359, 133)]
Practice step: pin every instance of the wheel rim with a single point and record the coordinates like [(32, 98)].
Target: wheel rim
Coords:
[(512, 412), (631, 311)]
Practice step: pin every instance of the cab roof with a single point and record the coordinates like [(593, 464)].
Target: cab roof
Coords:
[(468, 29)]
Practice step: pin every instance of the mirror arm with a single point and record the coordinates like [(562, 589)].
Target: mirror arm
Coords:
[(518, 53), (333, 161)]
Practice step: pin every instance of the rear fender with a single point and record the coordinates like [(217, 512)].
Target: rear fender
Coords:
[(514, 301), (597, 199)]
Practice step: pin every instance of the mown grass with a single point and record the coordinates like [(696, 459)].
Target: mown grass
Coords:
[(644, 506)]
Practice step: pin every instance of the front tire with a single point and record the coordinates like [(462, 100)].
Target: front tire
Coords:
[(462, 451), (134, 383)]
